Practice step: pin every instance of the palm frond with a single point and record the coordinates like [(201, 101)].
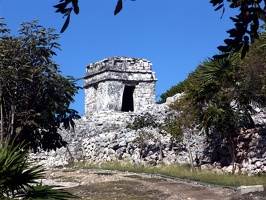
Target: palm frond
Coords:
[(48, 192), (16, 173)]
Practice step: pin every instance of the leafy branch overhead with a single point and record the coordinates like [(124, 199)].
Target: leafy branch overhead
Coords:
[(246, 30), (247, 25), (65, 7)]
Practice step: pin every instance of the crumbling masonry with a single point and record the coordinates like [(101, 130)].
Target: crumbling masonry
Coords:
[(118, 90), (119, 84)]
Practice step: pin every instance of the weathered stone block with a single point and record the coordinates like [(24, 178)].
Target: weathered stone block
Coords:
[(251, 188), (119, 84)]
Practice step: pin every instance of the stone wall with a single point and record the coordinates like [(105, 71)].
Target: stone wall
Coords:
[(104, 136), (118, 90), (115, 83)]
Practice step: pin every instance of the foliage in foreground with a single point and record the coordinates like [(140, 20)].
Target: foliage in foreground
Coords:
[(65, 7), (40, 191), (247, 23), (251, 15), (20, 178)]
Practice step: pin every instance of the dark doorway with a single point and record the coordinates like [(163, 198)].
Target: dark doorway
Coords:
[(128, 102)]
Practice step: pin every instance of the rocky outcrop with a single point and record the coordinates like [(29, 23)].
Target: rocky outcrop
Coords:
[(251, 150), (122, 122), (105, 136)]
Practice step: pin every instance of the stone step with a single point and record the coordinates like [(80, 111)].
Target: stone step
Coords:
[(250, 188)]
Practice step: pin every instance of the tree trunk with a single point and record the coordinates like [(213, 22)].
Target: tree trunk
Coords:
[(191, 160), (232, 153), (2, 124), (190, 156)]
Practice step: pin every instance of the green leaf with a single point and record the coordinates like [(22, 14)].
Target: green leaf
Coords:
[(235, 4), (220, 56), (227, 48), (229, 41), (76, 7), (219, 7), (244, 50), (215, 2), (118, 7), (18, 129), (65, 24), (48, 192)]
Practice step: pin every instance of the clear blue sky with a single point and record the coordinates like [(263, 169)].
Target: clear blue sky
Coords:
[(175, 35)]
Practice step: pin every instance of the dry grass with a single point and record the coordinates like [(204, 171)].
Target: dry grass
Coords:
[(126, 190), (183, 172)]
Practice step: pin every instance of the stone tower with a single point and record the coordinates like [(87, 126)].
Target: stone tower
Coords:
[(119, 84)]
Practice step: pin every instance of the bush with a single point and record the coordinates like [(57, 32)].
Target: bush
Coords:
[(19, 178)]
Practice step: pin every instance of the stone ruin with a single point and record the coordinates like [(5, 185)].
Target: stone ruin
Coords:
[(119, 89), (119, 84)]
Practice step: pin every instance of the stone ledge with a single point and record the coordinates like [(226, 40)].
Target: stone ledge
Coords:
[(251, 188)]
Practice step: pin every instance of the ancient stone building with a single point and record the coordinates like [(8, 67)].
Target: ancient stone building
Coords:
[(116, 85), (119, 84)]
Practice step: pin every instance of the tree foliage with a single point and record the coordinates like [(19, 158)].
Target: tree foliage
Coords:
[(34, 97), (65, 7), (178, 88), (142, 121), (247, 24), (16, 174), (222, 93)]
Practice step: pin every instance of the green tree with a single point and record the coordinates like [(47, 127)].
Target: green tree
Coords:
[(178, 88), (34, 96), (221, 94), (215, 98), (225, 90)]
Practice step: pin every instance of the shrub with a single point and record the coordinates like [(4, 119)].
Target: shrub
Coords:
[(19, 178)]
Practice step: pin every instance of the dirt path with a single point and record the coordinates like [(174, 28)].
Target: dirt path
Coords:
[(103, 185)]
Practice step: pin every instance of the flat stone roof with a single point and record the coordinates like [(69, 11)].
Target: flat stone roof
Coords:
[(119, 68), (119, 63)]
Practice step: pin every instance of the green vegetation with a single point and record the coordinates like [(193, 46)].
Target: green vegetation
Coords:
[(179, 88), (34, 96), (35, 99), (34, 103), (141, 121), (20, 178), (220, 95), (179, 171), (101, 67), (247, 23), (144, 137)]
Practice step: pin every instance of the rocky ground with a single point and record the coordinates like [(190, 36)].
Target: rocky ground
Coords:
[(111, 185)]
